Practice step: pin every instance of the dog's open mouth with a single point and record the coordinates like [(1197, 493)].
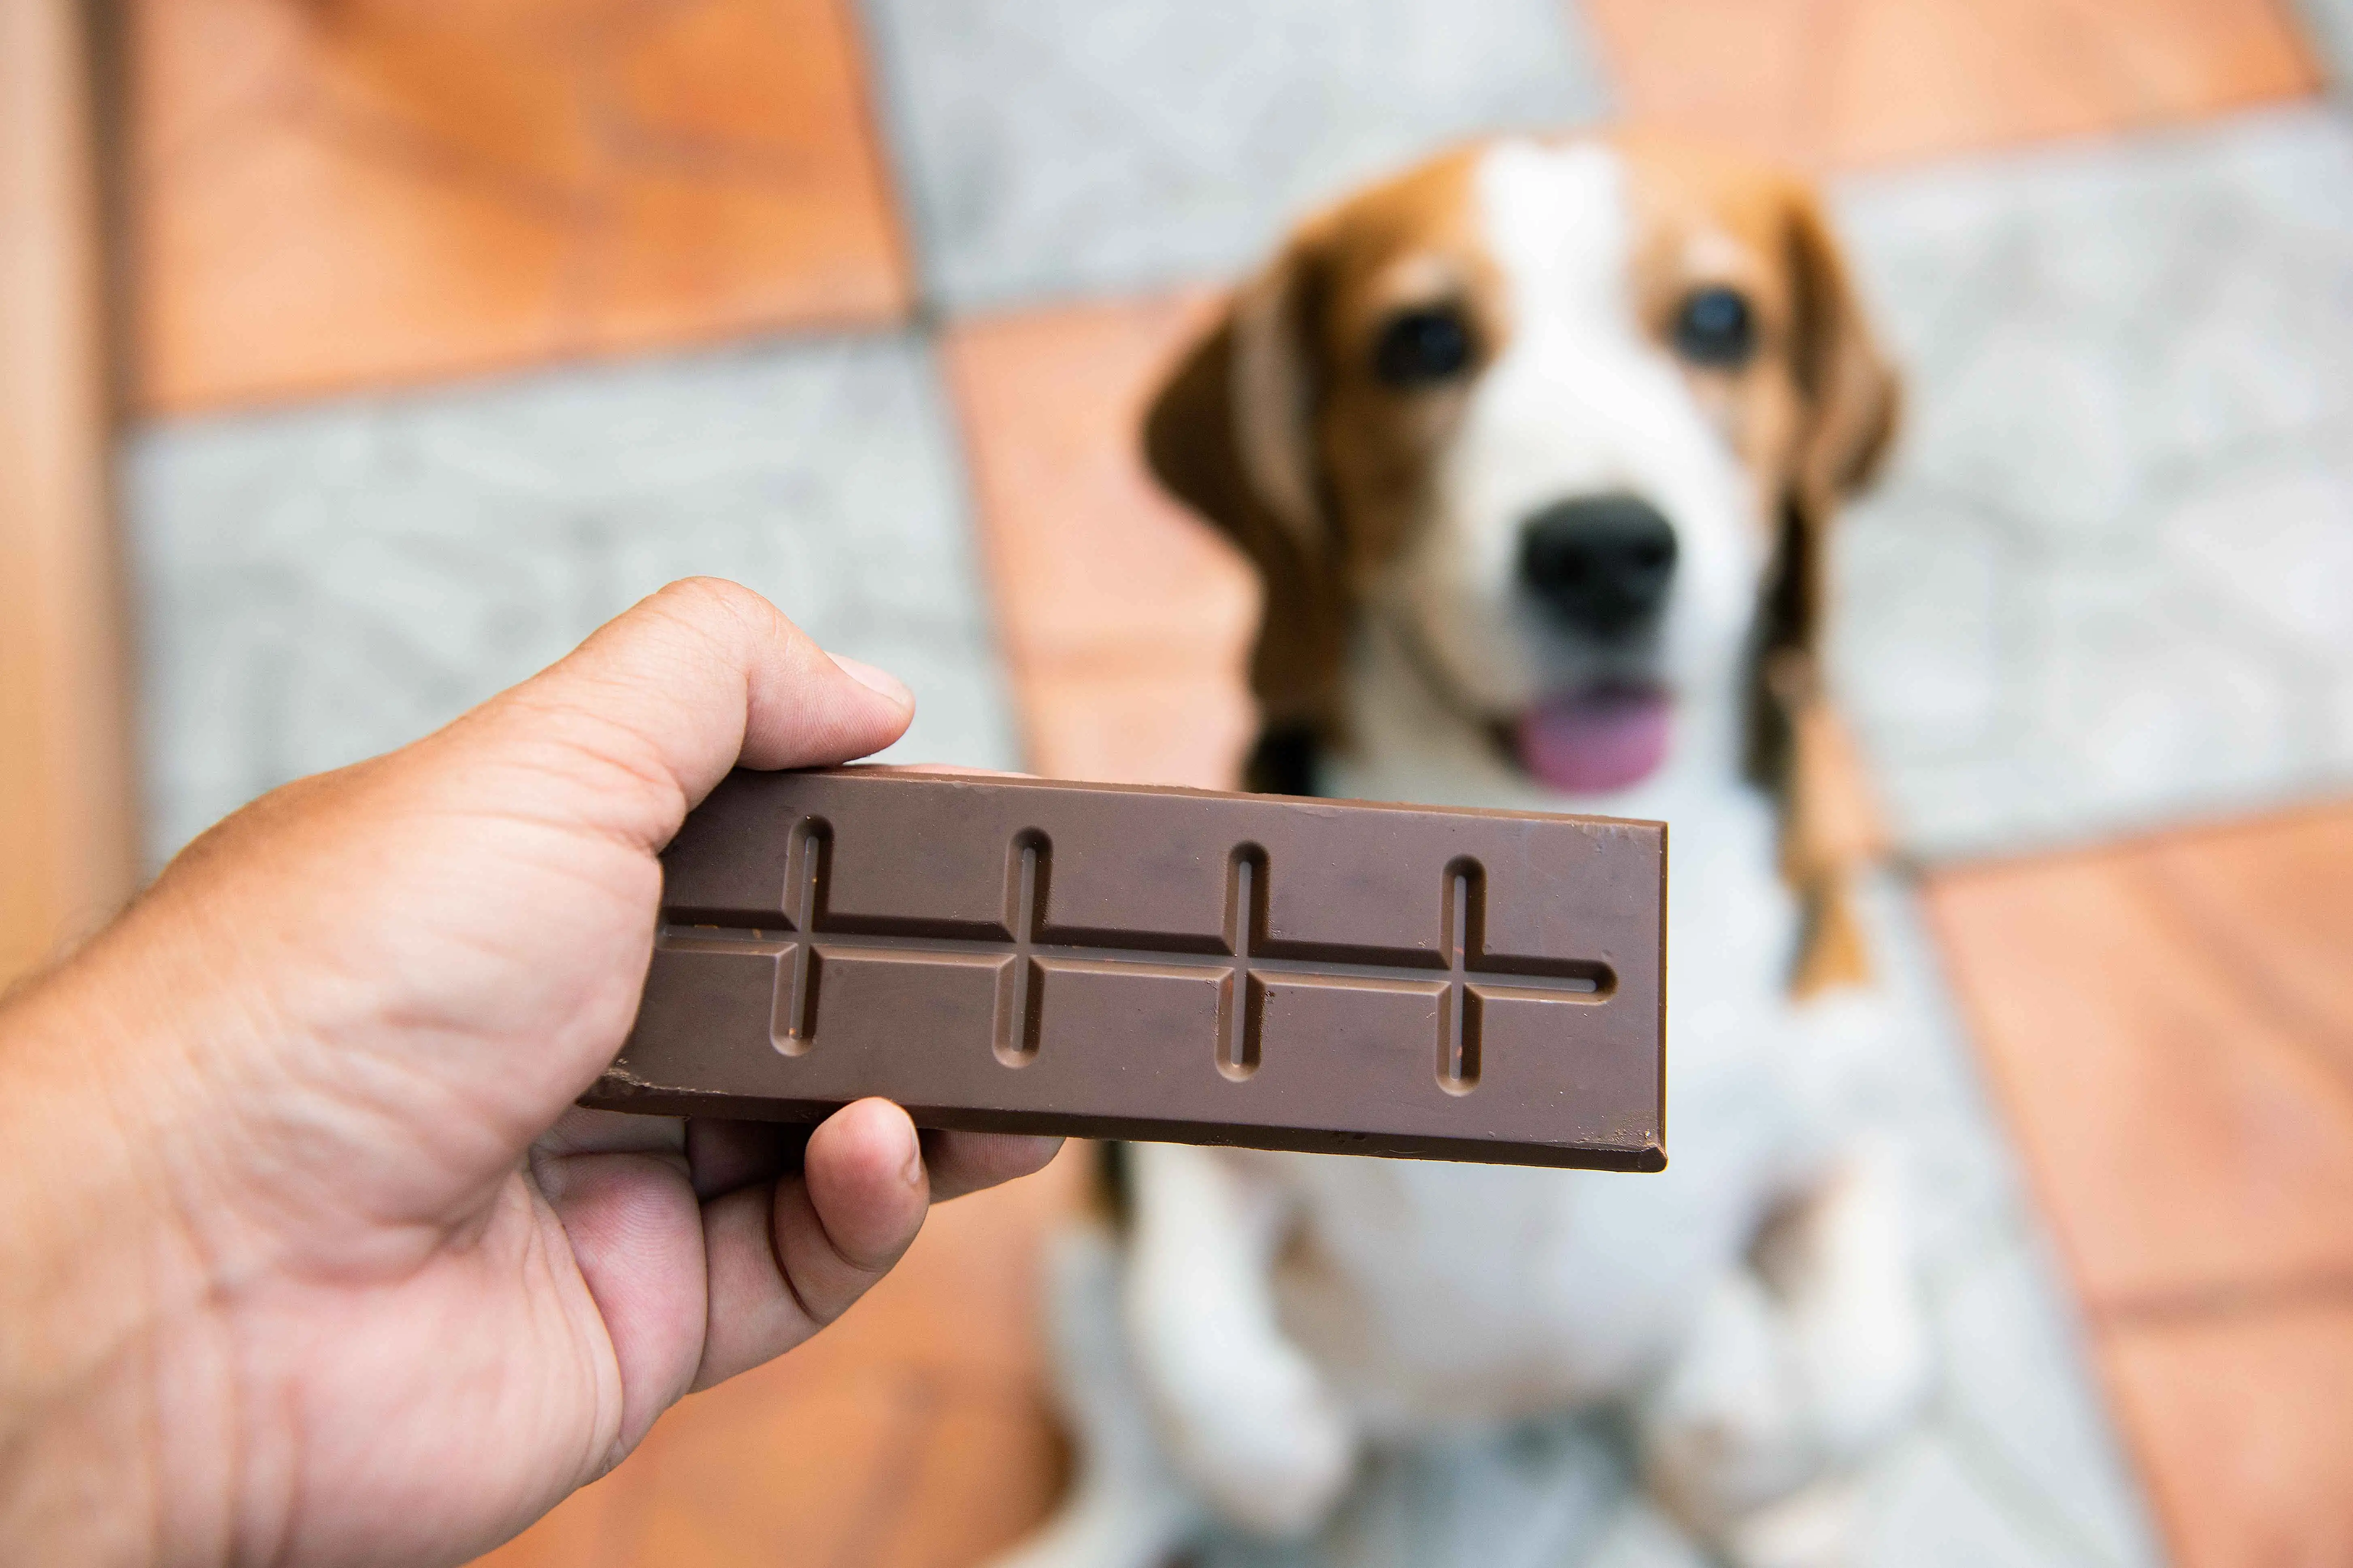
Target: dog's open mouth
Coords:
[(1598, 738)]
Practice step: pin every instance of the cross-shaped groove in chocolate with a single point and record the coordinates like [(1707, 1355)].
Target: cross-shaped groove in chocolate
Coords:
[(1463, 978)]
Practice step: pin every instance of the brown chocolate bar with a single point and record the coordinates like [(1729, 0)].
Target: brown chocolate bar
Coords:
[(1019, 955)]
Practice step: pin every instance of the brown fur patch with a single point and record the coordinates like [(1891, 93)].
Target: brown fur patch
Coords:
[(1331, 479)]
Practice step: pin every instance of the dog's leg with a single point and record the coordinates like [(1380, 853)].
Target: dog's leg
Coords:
[(1800, 1366), (1126, 1508), (1248, 1419), (1841, 1265)]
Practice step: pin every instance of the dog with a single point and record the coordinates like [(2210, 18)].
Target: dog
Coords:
[(1536, 448)]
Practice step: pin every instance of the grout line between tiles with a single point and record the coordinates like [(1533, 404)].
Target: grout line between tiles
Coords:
[(2219, 1299)]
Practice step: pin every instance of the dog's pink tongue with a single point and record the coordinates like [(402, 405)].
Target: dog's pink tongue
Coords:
[(1603, 739)]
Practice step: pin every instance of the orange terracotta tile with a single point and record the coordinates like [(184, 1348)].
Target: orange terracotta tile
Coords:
[(2275, 899), (334, 196), (199, 68), (2184, 1135), (2243, 1425), (1126, 619), (1841, 83), (590, 1529), (912, 1431), (813, 1478), (1085, 548), (471, 89), (743, 125), (303, 269), (987, 1473)]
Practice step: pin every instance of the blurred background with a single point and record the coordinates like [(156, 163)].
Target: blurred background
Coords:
[(358, 356)]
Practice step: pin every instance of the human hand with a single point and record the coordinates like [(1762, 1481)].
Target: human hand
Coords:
[(305, 1255)]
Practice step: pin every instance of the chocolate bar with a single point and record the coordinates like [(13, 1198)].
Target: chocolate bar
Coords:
[(1019, 955)]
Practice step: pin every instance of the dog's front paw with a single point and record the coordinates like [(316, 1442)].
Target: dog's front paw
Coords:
[(1246, 1416), (1817, 1526), (1725, 1432), (1271, 1451)]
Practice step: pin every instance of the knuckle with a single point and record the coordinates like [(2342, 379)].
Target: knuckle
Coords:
[(717, 599)]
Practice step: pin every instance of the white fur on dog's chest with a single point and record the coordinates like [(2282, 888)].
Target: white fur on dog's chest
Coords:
[(1468, 1292)]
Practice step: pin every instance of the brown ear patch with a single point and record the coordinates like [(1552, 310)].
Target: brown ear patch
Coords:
[(1272, 429), (1193, 441), (1850, 403), (1852, 395)]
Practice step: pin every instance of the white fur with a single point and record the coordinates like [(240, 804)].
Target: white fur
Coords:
[(1249, 1419), (1416, 1295), (1124, 1504)]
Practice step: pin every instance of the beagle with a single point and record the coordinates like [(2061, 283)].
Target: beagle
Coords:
[(1536, 447)]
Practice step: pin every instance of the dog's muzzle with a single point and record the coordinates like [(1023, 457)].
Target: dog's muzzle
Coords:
[(1601, 566)]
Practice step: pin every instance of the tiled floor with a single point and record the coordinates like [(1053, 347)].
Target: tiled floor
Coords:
[(336, 193), (1836, 84), (1059, 147), (2171, 1028), (2329, 24), (2104, 587), (2243, 1424)]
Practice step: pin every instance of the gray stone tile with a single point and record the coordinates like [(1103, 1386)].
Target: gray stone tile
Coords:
[(2019, 1411), (1927, 1510), (2106, 582), (2329, 24), (1640, 1537), (322, 584), (1051, 147)]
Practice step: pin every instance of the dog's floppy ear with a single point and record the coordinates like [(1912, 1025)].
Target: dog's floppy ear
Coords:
[(1232, 435), (1849, 401)]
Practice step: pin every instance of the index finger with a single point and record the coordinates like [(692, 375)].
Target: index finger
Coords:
[(690, 682)]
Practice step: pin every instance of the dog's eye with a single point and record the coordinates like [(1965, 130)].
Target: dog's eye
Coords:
[(1715, 327), (1419, 347)]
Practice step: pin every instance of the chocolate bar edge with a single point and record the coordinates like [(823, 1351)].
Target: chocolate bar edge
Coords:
[(616, 1093), (1320, 803)]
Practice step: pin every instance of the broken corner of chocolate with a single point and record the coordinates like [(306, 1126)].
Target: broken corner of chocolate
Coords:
[(1022, 956)]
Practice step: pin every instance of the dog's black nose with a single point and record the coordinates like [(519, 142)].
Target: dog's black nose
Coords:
[(1602, 563)]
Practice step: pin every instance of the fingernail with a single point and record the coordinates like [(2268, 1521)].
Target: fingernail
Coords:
[(873, 679), (914, 1173)]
